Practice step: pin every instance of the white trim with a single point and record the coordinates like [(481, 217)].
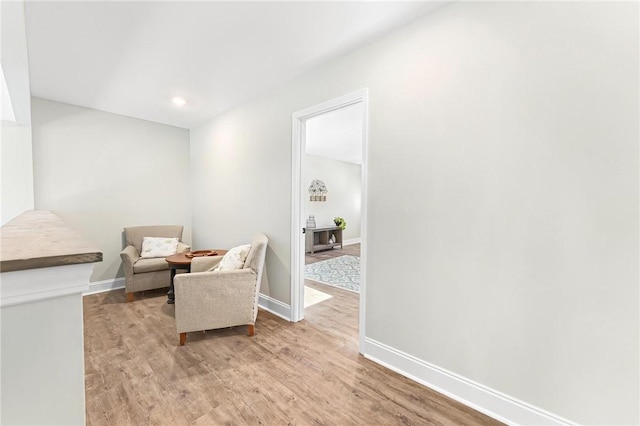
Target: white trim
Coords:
[(352, 241), (332, 104), (501, 407), (106, 285), (297, 158), (267, 303), (274, 306), (297, 258), (364, 189), (33, 285)]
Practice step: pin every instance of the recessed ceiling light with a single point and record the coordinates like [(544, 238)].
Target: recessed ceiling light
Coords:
[(178, 101)]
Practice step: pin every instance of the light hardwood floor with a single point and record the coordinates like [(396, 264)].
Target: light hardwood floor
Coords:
[(304, 373), (351, 249)]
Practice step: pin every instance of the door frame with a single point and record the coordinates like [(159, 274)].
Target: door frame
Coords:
[(298, 191)]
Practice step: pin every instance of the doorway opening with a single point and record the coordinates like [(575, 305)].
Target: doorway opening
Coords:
[(329, 147)]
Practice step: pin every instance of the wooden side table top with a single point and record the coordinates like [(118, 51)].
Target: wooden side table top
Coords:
[(183, 260)]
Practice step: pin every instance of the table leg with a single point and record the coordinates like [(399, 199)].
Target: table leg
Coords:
[(171, 296)]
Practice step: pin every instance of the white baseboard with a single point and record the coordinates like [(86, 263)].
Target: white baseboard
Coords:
[(267, 303), (352, 241), (106, 285), (274, 306), (475, 395)]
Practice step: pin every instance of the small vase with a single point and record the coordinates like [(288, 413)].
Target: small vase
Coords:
[(311, 222)]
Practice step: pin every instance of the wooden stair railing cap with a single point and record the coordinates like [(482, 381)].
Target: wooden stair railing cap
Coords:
[(40, 239)]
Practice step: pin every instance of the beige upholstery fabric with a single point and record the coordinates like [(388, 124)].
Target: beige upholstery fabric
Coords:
[(147, 274), (205, 263), (216, 299), (150, 265), (255, 258)]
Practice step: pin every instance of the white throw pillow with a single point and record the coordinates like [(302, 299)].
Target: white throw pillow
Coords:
[(234, 259), (159, 247)]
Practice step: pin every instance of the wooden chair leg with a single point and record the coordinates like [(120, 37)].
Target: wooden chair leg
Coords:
[(130, 297), (251, 330), (183, 339)]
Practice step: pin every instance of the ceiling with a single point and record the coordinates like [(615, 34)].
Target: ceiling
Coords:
[(337, 134), (132, 58)]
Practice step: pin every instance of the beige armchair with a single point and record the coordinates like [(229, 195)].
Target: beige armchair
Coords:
[(146, 274), (207, 299)]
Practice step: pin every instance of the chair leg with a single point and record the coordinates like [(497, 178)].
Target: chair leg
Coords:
[(251, 330), (183, 339), (130, 297)]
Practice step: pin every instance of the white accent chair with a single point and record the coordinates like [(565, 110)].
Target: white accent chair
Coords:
[(208, 299)]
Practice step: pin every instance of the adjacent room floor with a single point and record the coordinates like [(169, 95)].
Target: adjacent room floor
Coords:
[(340, 313), (288, 373)]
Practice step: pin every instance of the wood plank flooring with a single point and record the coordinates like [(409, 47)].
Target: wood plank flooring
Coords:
[(351, 250), (342, 308), (307, 373)]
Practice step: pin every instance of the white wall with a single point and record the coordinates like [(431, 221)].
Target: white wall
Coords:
[(17, 171), (14, 59), (15, 147), (344, 181), (101, 172), (42, 338), (43, 375), (237, 191), (503, 179)]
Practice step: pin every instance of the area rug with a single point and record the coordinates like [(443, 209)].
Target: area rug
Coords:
[(342, 272), (313, 296)]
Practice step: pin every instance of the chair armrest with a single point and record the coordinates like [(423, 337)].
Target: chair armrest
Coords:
[(182, 247), (205, 263), (129, 256)]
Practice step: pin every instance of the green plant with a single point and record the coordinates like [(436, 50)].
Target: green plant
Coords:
[(340, 222)]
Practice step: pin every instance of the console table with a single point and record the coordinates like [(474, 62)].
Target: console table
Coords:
[(318, 238)]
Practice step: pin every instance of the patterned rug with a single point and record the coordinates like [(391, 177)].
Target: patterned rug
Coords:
[(342, 272)]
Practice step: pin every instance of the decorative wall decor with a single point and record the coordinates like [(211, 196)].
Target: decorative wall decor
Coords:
[(318, 191)]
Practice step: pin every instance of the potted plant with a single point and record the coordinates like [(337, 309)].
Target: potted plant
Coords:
[(340, 222)]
